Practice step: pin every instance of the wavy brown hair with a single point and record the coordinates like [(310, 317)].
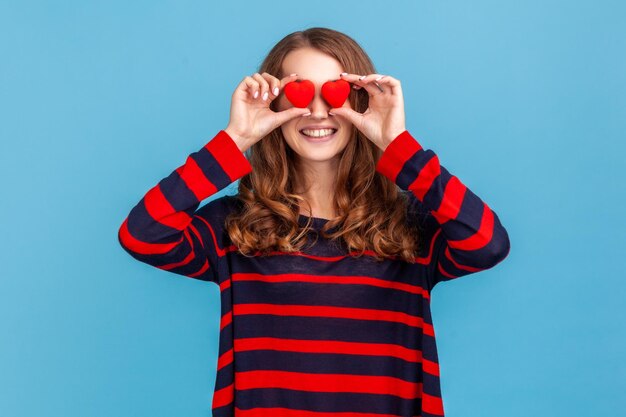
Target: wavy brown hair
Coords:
[(372, 209)]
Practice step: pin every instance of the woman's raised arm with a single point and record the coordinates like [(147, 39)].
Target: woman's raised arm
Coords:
[(162, 229), (464, 233)]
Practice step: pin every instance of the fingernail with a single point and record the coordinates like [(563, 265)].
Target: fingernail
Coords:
[(362, 76), (265, 95), (331, 113), (306, 114), (256, 94), (343, 73), (291, 75), (275, 91)]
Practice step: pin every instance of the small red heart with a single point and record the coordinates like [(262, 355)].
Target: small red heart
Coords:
[(336, 92), (299, 92)]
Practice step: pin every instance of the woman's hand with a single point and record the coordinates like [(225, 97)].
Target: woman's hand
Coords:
[(250, 116), (383, 120)]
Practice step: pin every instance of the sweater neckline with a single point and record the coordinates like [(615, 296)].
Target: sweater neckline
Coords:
[(316, 219), (316, 222)]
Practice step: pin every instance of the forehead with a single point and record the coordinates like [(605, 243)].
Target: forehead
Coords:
[(311, 64)]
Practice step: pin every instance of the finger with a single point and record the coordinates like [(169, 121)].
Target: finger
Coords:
[(288, 79), (292, 112), (370, 84), (351, 78), (392, 83), (251, 86), (265, 87), (274, 84), (351, 115)]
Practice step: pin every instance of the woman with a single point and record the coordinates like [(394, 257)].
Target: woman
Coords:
[(343, 324)]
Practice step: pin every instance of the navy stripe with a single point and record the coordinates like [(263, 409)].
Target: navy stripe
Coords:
[(280, 315)]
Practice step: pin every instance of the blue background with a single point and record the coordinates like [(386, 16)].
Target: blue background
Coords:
[(524, 101)]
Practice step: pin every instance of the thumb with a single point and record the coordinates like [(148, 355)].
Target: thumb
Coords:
[(351, 115), (286, 115)]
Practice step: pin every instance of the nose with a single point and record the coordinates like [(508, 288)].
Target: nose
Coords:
[(319, 107)]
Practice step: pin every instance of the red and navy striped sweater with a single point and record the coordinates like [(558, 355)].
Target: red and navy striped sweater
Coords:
[(319, 333)]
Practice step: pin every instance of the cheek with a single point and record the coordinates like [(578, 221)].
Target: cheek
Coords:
[(288, 128)]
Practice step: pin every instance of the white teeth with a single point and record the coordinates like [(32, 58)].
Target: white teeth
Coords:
[(318, 133)]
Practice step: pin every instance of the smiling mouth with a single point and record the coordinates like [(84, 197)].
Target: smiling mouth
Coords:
[(319, 138)]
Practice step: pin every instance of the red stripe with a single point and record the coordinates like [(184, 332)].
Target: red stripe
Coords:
[(190, 257), (319, 382), (432, 405), (430, 367), (393, 158), (195, 179), (451, 201), (420, 260), (162, 211), (479, 239), (427, 259), (332, 279), (196, 234), (185, 261), (288, 412), (224, 285), (226, 320), (220, 251), (328, 346), (444, 272), (225, 359), (458, 265), (425, 178), (223, 396), (144, 248), (428, 329), (328, 311), (205, 267), (227, 153)]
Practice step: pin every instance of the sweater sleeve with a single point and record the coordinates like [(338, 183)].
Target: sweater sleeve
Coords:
[(164, 230), (463, 233)]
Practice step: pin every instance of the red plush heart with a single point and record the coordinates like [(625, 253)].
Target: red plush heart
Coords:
[(300, 92), (336, 92)]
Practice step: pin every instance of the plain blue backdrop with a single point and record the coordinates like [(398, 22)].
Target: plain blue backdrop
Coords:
[(524, 101)]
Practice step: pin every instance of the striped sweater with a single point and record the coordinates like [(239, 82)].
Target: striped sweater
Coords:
[(319, 333)]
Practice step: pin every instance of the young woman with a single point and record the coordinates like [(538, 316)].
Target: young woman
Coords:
[(340, 323)]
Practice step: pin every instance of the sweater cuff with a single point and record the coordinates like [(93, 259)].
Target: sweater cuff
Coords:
[(400, 150), (227, 153)]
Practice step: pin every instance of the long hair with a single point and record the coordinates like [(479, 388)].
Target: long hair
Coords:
[(372, 209)]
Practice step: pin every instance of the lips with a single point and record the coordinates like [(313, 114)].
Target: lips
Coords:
[(320, 139), (318, 128)]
